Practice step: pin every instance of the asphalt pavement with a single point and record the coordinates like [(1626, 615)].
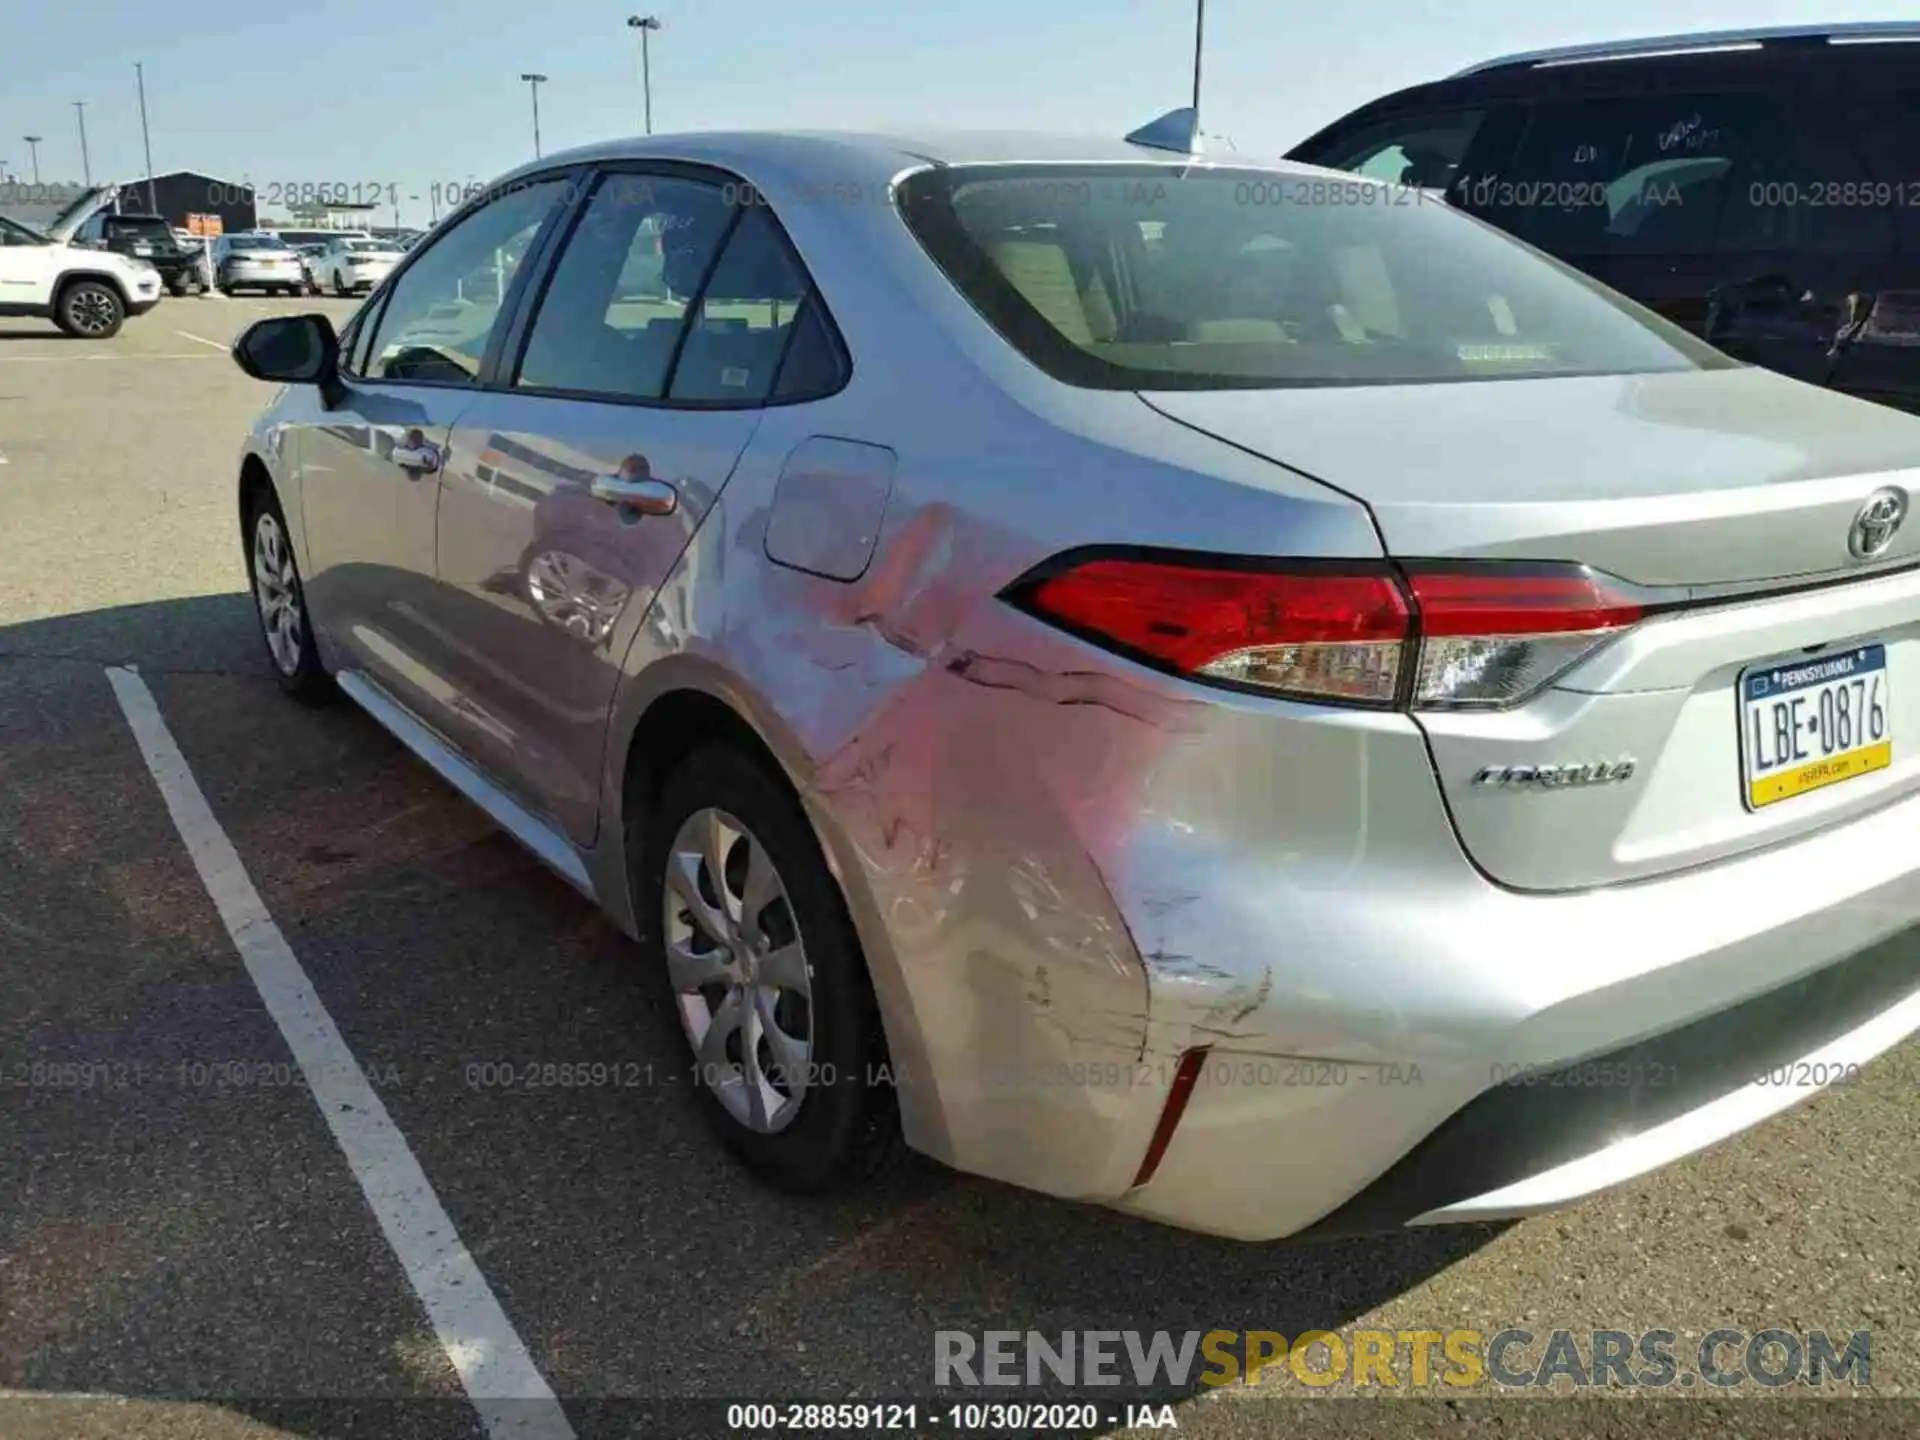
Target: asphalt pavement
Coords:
[(188, 1248)]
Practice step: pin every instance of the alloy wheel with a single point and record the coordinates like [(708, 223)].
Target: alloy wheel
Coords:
[(276, 589), (91, 312), (738, 970)]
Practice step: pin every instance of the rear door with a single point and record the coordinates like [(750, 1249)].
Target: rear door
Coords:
[(640, 376)]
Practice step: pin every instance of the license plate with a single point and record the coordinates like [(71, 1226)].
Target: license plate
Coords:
[(1812, 722), (143, 249)]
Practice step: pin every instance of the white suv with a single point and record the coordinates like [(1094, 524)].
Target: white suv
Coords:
[(87, 293)]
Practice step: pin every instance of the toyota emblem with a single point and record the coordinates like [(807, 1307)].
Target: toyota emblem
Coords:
[(1876, 523)]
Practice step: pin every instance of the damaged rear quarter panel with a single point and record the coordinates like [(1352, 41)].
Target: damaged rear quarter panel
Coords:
[(965, 767)]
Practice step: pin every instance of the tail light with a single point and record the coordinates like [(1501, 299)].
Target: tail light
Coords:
[(1423, 636)]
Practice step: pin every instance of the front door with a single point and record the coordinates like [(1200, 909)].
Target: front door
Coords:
[(574, 491), (373, 463)]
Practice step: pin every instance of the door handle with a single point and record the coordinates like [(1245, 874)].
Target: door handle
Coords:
[(418, 456), (649, 497)]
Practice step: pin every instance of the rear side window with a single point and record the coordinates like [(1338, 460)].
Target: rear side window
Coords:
[(1168, 277), (815, 365), (745, 317), (611, 318)]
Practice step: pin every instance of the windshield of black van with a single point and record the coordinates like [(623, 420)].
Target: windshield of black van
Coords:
[(1170, 277)]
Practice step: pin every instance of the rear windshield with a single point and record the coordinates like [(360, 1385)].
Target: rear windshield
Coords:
[(1157, 277)]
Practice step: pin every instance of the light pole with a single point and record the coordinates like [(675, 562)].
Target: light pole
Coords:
[(86, 161), (645, 24), (534, 82), (1199, 32), (33, 144), (146, 138)]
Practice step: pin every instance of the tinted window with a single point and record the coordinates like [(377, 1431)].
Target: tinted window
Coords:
[(1662, 174), (442, 309), (145, 228), (610, 321), (746, 315), (1420, 150), (813, 365), (1148, 278), (1810, 191)]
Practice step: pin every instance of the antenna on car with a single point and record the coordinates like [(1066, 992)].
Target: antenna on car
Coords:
[(1179, 130)]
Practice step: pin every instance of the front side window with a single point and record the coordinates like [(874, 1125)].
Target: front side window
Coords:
[(611, 318), (1164, 277), (441, 313)]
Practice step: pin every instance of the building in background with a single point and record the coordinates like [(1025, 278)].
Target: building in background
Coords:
[(182, 193)]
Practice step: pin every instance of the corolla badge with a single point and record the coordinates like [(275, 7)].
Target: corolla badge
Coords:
[(1876, 523), (1554, 777)]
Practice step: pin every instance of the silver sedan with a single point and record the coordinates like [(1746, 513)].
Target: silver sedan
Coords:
[(1231, 692), (349, 265), (257, 262)]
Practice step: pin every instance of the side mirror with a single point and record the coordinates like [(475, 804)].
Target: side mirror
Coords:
[(292, 350)]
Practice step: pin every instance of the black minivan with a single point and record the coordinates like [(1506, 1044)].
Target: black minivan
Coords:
[(1759, 187)]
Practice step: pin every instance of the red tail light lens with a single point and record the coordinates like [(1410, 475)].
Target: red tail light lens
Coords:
[(1322, 634), (1452, 636)]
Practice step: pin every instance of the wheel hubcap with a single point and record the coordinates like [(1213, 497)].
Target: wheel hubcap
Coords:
[(276, 589), (91, 311), (739, 971)]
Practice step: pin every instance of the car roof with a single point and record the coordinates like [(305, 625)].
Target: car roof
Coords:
[(1522, 78), (872, 157)]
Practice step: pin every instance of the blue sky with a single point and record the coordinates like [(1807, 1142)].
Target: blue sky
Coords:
[(406, 92)]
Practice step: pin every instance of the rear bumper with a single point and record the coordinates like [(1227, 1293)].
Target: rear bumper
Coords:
[(1553, 1046), (1552, 1137), (256, 275)]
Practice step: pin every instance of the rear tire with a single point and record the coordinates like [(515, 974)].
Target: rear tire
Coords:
[(280, 602), (90, 310), (827, 1115)]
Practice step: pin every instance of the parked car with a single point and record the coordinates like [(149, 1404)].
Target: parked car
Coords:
[(87, 293), (299, 238), (310, 265), (1329, 719), (148, 238), (1760, 187), (257, 262), (349, 266)]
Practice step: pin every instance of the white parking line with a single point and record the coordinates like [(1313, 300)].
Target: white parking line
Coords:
[(512, 1397), (189, 335)]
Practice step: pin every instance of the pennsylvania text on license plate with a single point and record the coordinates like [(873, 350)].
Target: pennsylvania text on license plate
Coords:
[(1812, 722)]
